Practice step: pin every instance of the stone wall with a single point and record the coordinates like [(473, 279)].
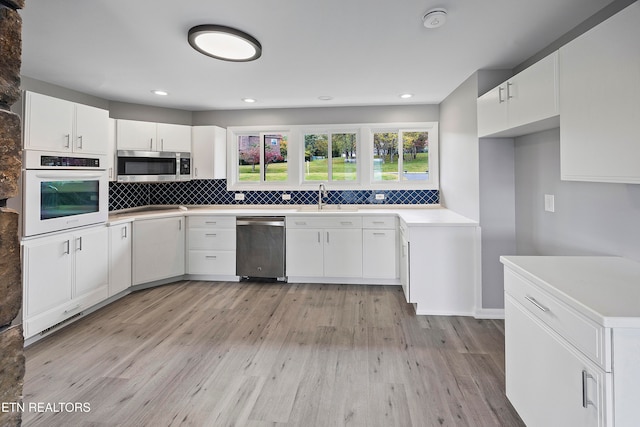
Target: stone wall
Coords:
[(11, 338)]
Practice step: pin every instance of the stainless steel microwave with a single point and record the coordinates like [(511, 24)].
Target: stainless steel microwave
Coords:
[(153, 166)]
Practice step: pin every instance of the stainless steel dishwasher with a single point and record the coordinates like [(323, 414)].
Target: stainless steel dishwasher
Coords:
[(260, 247)]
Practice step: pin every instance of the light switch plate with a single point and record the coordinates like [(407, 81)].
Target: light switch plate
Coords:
[(380, 196), (549, 203), (239, 196), (286, 196)]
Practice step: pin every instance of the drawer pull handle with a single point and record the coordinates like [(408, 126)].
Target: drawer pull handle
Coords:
[(378, 222), (301, 223), (211, 235), (210, 222), (74, 308), (346, 222), (585, 398), (211, 257), (533, 301), (379, 234)]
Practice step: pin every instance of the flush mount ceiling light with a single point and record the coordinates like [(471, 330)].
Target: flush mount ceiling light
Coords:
[(160, 92), (325, 98), (435, 18), (226, 43), (406, 96), (249, 100)]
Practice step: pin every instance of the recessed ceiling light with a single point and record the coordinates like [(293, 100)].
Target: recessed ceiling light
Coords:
[(226, 43), (160, 92), (406, 96), (325, 98), (249, 100), (435, 18)]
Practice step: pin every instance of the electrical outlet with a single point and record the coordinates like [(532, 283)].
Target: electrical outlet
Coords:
[(286, 196), (239, 196), (549, 203), (380, 196)]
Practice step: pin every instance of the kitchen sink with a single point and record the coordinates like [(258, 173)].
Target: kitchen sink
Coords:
[(328, 208)]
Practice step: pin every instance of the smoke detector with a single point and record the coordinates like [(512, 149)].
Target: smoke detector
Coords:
[(435, 18)]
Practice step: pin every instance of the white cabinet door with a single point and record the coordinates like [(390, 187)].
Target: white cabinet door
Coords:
[(343, 252), (492, 111), (111, 150), (48, 123), (91, 260), (305, 252), (379, 254), (158, 249), (209, 152), (532, 95), (544, 376), (91, 131), (404, 267), (120, 253), (174, 137), (526, 103), (136, 135), (47, 273), (600, 102)]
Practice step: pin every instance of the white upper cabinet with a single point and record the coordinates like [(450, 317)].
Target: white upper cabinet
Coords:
[(526, 103), (136, 135), (174, 137), (151, 136), (53, 124), (600, 102), (209, 152)]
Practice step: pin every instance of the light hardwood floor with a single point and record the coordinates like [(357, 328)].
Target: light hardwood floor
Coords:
[(267, 354)]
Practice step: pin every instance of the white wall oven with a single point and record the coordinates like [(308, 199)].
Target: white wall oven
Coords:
[(62, 192)]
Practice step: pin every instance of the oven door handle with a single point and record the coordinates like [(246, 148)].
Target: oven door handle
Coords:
[(63, 175)]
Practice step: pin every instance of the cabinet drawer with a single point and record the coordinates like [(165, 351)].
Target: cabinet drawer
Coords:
[(388, 222), (212, 221), (586, 335), (325, 222), (214, 238), (212, 262)]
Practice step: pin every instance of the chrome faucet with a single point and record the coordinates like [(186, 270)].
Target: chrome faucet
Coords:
[(322, 192)]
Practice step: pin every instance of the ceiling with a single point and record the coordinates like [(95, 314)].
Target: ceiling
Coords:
[(359, 52)]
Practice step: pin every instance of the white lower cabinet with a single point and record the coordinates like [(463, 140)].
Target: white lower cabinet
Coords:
[(63, 275), (120, 251), (404, 261), (379, 248), (572, 340), (324, 247), (305, 252), (442, 269), (548, 381), (158, 249), (211, 243)]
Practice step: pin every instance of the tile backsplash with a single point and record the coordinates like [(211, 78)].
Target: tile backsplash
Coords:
[(214, 192)]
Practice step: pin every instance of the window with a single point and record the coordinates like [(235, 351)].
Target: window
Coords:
[(330, 156), (383, 156), (395, 161), (262, 157)]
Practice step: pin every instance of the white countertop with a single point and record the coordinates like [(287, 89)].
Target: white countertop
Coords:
[(605, 289), (412, 216)]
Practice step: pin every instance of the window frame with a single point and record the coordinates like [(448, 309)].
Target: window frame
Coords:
[(364, 157)]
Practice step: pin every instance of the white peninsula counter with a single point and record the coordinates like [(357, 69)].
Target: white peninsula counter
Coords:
[(572, 340)]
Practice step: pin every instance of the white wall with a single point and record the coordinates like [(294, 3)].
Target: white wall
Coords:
[(590, 218), (497, 215), (319, 115), (459, 153)]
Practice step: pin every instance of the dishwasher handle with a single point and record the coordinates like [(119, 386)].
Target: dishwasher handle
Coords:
[(270, 222)]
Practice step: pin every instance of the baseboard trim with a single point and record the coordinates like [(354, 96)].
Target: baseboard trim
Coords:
[(489, 313)]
